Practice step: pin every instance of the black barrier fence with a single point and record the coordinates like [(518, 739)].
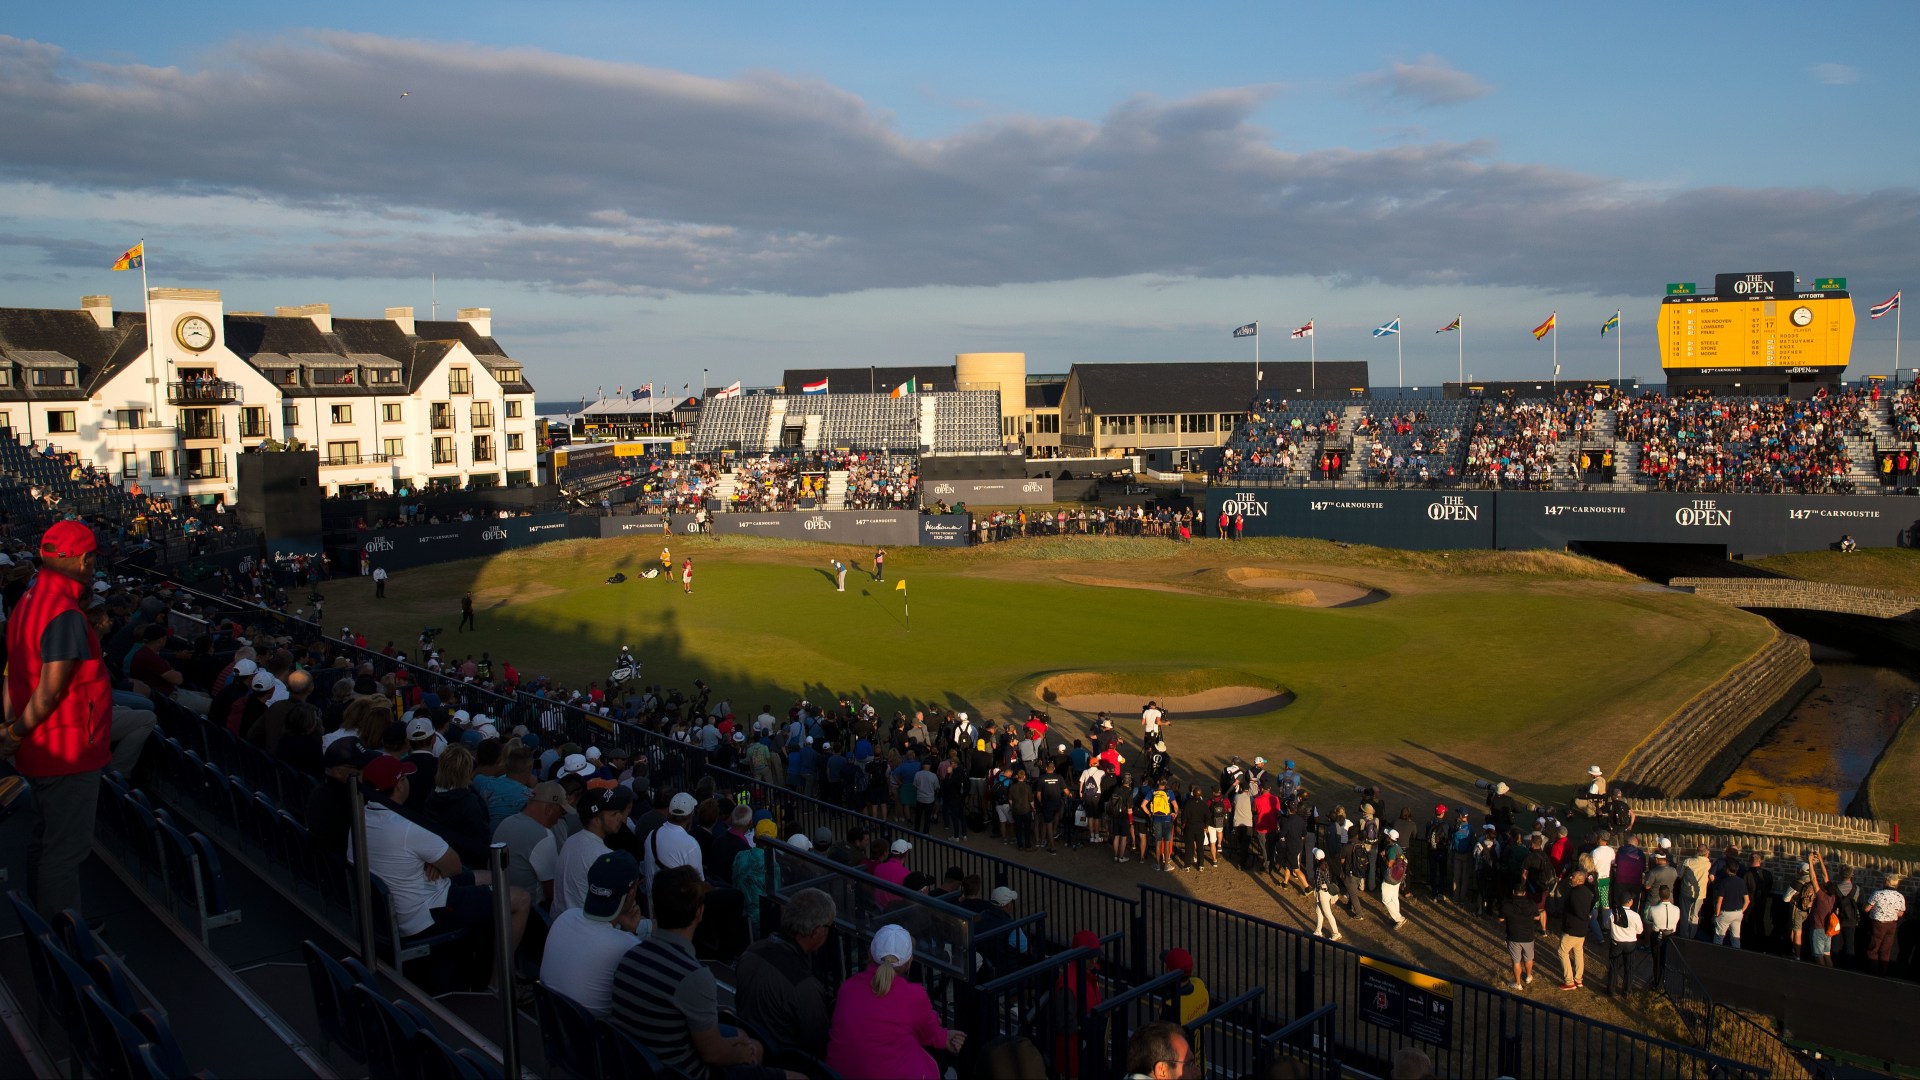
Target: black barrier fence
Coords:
[(1515, 520), (1467, 1028), (421, 545), (1484, 1031), (1029, 491)]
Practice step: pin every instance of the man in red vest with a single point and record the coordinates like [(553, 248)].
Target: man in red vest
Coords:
[(59, 712)]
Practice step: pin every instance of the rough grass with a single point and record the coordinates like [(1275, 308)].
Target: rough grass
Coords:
[(1525, 666), (1895, 569), (1891, 791)]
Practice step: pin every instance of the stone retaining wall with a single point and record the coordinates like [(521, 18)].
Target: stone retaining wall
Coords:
[(1808, 595), (1699, 746), (1785, 824)]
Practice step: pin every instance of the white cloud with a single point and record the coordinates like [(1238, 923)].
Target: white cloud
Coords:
[(1425, 83), (1834, 74)]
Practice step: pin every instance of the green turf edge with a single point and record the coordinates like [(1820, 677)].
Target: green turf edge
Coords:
[(1893, 569)]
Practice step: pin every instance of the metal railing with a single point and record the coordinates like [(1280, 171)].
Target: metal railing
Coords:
[(1720, 1028), (355, 458), (191, 428), (202, 392)]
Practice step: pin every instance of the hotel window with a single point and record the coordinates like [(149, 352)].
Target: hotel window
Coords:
[(482, 414), (459, 381), (1196, 423), (483, 448), (390, 413), (515, 409), (60, 422), (253, 422), (393, 448), (343, 414), (443, 450), (52, 376), (6, 376), (130, 464), (516, 441), (157, 463), (290, 418), (343, 453)]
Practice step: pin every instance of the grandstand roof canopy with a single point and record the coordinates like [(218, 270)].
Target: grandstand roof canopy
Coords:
[(862, 380), (1206, 385)]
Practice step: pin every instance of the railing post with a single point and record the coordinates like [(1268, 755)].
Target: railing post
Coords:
[(1509, 1043), (503, 952), (362, 874)]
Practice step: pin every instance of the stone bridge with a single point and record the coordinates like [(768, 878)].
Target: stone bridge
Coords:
[(1805, 595)]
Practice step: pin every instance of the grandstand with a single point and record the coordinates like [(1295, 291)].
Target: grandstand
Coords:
[(940, 422)]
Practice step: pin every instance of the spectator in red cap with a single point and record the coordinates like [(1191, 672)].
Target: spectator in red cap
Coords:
[(1194, 1000), (430, 890), (59, 708), (1436, 843)]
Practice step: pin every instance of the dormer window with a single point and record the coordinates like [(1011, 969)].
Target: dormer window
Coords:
[(53, 376)]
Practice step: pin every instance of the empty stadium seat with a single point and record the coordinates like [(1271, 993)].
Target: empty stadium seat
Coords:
[(623, 1055), (332, 982), (386, 1031), (566, 1033)]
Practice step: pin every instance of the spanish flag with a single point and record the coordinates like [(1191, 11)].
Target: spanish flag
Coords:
[(134, 257), (1545, 328)]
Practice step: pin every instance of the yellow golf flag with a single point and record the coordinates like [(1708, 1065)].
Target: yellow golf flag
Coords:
[(900, 586)]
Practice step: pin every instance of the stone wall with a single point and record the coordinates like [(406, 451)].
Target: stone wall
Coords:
[(1699, 746), (1785, 824), (1807, 595)]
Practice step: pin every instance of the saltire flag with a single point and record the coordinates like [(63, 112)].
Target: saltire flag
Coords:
[(1388, 330), (1874, 312), (1610, 324), (133, 258), (814, 387), (1252, 329), (1454, 325), (900, 586), (911, 386), (643, 393), (730, 392), (1545, 328), (1305, 331)]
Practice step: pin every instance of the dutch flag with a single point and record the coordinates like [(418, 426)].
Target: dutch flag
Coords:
[(814, 387)]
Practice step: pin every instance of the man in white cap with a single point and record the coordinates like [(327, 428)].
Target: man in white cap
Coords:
[(602, 812), (1004, 949), (1593, 798), (574, 765), (1323, 897), (671, 844), (1393, 874)]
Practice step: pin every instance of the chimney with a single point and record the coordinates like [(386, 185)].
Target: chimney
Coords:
[(321, 314), (101, 308), (403, 318), (480, 318)]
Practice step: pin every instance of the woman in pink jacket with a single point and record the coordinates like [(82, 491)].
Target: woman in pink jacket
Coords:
[(883, 1024)]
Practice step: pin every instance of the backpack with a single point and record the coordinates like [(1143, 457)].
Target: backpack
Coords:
[(860, 778), (1159, 804), (1620, 918), (1090, 789), (1803, 897), (1619, 814), (1397, 870), (1370, 830)]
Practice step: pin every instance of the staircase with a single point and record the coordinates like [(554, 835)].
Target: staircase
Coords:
[(929, 411), (776, 423), (836, 490), (812, 438), (724, 488)]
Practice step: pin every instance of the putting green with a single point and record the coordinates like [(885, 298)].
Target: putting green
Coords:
[(1527, 668)]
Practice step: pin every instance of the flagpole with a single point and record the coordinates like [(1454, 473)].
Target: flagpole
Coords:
[(1399, 354), (1896, 344), (146, 301), (1313, 362), (1256, 359), (1460, 339), (1555, 331), (1619, 349)]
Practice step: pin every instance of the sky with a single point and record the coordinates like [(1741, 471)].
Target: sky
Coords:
[(684, 193)]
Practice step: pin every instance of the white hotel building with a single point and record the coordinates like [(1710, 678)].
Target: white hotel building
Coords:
[(388, 403)]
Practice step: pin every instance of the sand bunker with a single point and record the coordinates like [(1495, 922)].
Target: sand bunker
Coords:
[(1320, 593), (1215, 703)]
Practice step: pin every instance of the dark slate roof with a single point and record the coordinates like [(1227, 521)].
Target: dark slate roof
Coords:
[(99, 352), (1045, 395), (856, 380), (284, 334), (422, 358), (1206, 386), (296, 336), (464, 333)]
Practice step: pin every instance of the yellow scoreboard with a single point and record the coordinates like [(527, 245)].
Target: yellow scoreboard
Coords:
[(1730, 331)]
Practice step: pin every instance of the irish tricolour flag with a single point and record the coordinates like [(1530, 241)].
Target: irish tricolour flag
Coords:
[(814, 387)]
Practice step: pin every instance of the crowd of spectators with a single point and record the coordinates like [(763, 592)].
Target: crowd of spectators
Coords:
[(881, 482), (769, 483), (1274, 436), (1519, 444), (1143, 519), (1769, 445)]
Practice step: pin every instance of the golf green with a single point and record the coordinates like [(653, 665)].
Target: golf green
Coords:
[(1526, 669)]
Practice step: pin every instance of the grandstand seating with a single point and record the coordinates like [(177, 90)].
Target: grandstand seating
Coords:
[(962, 422)]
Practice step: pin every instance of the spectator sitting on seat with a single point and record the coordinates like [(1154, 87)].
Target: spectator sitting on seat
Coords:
[(586, 944), (779, 992), (883, 1025), (532, 852), (668, 1000), (330, 808), (1194, 1000), (455, 810), (430, 890), (1160, 1051), (672, 844), (603, 811)]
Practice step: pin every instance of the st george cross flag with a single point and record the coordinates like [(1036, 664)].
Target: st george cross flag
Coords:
[(1252, 329), (1892, 304), (814, 387), (1387, 330), (1454, 325), (1545, 328), (730, 392), (1305, 331)]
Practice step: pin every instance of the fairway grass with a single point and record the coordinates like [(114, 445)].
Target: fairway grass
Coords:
[(1524, 666)]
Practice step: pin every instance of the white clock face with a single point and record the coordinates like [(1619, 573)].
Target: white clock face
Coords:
[(194, 332), (1802, 316)]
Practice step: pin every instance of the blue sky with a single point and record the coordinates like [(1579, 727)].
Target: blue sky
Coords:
[(641, 191)]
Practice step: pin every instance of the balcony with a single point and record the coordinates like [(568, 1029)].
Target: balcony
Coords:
[(256, 429), (441, 421), (337, 460), (445, 457), (193, 428), (213, 468), (202, 392)]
